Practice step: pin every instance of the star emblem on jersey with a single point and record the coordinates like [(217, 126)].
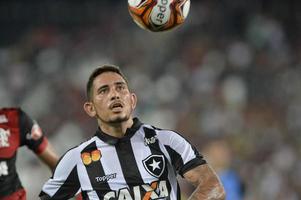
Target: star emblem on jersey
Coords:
[(154, 165)]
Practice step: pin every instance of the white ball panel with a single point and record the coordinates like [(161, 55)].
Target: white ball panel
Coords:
[(134, 3), (161, 12), (186, 7)]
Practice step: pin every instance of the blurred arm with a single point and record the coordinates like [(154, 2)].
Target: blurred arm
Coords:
[(49, 157), (207, 183)]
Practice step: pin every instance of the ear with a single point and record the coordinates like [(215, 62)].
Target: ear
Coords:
[(89, 108), (134, 100)]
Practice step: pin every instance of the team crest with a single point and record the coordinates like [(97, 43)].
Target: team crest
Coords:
[(154, 165)]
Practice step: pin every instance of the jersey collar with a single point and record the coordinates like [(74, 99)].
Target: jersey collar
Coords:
[(113, 140)]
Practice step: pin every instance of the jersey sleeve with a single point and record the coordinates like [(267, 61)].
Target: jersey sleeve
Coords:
[(31, 134), (64, 182), (184, 156)]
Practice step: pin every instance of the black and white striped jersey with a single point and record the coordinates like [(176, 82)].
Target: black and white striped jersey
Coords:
[(141, 165)]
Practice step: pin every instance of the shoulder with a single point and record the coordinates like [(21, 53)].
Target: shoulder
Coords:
[(160, 130), (76, 151), (164, 135)]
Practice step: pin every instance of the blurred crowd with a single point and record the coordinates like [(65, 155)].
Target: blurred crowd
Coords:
[(231, 73)]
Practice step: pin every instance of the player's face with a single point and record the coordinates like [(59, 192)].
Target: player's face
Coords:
[(111, 100)]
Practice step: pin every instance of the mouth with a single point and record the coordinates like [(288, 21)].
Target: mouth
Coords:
[(116, 105)]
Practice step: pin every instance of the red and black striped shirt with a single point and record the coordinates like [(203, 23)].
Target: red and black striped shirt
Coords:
[(16, 129)]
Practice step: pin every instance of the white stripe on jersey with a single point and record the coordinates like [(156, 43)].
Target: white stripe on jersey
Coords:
[(110, 163), (171, 174), (93, 195), (61, 173)]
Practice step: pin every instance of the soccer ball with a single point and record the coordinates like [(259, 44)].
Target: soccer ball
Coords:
[(158, 15)]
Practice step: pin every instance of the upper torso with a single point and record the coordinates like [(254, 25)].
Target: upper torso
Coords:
[(141, 165)]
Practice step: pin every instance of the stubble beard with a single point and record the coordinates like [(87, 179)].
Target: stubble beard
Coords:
[(114, 120), (118, 119)]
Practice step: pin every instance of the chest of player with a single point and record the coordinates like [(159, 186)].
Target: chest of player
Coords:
[(127, 167)]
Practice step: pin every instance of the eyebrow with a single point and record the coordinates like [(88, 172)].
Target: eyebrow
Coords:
[(120, 83), (106, 86), (102, 87)]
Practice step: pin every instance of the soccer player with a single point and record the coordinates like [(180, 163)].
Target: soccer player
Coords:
[(18, 129), (127, 159)]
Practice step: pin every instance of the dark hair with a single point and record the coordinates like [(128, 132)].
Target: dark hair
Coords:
[(100, 70)]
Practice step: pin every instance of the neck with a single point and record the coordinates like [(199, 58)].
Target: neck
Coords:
[(116, 129)]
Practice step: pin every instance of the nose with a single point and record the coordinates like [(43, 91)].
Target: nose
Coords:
[(114, 94)]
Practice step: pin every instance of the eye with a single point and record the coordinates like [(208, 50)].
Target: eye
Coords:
[(102, 90), (120, 87)]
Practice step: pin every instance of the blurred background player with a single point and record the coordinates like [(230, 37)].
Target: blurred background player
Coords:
[(16, 130), (220, 156)]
